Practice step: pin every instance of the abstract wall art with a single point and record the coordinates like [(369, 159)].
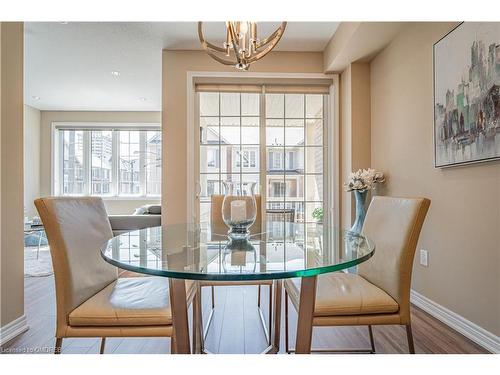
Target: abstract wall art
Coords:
[(467, 95)]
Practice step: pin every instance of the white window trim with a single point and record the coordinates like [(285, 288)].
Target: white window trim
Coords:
[(331, 131), (56, 161)]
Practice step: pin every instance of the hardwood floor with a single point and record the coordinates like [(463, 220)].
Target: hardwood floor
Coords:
[(235, 329)]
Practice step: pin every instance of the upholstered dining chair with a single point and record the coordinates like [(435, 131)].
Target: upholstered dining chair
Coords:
[(379, 293), (219, 230), (91, 300)]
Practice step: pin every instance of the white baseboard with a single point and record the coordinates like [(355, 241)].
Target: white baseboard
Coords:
[(13, 329), (479, 335)]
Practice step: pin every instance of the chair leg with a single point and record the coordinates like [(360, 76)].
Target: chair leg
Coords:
[(103, 343), (198, 343), (172, 344), (58, 346), (286, 324), (267, 327), (39, 244), (409, 335), (372, 342), (213, 297), (194, 339), (270, 320), (204, 330)]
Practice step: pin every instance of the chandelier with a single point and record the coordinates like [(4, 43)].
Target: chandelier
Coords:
[(242, 46)]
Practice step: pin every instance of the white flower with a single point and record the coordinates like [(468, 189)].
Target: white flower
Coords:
[(364, 179)]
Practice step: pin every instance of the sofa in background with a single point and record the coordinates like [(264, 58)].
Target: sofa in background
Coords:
[(143, 217)]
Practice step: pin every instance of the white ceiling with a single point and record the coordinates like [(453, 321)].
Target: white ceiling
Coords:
[(68, 65)]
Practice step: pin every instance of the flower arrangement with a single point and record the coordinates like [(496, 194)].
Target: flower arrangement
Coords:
[(364, 179)]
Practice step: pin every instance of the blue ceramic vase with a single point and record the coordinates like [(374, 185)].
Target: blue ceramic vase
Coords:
[(360, 211)]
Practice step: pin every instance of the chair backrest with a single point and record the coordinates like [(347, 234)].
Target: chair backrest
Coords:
[(281, 214), (394, 225), (217, 224), (76, 228)]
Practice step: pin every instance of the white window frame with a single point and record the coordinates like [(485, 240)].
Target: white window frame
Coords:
[(56, 159), (331, 133), (215, 154), (277, 161)]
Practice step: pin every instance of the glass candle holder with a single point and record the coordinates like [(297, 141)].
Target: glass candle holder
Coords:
[(239, 208)]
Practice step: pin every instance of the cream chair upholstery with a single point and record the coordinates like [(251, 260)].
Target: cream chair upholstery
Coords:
[(219, 233), (91, 300), (379, 293)]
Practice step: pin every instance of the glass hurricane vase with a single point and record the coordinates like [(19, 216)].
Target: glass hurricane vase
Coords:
[(239, 208)]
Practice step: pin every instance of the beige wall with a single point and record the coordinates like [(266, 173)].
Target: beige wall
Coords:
[(357, 42), (346, 200), (462, 230), (176, 64), (11, 172), (31, 159), (355, 138), (118, 206)]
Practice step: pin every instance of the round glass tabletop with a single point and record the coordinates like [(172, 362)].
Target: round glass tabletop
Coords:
[(284, 250)]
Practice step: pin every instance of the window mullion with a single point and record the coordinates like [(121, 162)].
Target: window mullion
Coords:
[(115, 163), (142, 163), (305, 166), (284, 165), (87, 165), (59, 160), (219, 150), (263, 154), (328, 163)]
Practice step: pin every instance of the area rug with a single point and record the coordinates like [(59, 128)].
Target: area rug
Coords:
[(34, 267)]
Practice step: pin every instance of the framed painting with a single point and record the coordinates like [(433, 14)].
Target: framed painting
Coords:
[(467, 95)]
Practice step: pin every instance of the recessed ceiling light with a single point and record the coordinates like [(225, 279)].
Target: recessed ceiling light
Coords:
[(115, 73), (143, 99), (35, 97)]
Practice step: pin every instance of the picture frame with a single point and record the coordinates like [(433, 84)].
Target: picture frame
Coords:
[(466, 95)]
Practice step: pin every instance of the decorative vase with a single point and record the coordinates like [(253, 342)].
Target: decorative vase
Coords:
[(239, 208), (360, 211)]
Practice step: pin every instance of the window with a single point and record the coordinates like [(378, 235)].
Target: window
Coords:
[(129, 163), (285, 126), (112, 162), (101, 162), (153, 163), (212, 187), (278, 189), (295, 148), (290, 158), (275, 160), (247, 158), (72, 163), (213, 158), (252, 158)]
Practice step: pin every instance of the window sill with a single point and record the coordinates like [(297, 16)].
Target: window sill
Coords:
[(141, 198)]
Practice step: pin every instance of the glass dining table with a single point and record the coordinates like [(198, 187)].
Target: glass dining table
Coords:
[(197, 252)]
